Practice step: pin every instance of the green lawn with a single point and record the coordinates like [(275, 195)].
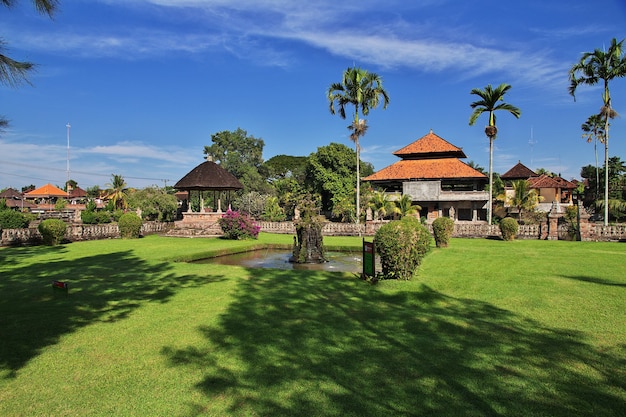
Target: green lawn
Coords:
[(486, 328)]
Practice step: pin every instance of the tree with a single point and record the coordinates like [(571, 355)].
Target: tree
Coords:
[(329, 174), (116, 191), (155, 204), (382, 206), (593, 130), (363, 90), (12, 72), (594, 67), (524, 198), (241, 155), (405, 206), (490, 102)]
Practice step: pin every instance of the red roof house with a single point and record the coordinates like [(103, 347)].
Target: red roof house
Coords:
[(432, 173)]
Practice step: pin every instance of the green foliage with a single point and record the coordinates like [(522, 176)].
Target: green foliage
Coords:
[(129, 225), (11, 219), (155, 204), (60, 204), (238, 226), (330, 173), (241, 155), (401, 245), (381, 205), (508, 228), (52, 231), (273, 212), (442, 229), (251, 203)]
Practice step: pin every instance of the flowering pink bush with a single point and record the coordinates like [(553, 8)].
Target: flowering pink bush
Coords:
[(236, 225)]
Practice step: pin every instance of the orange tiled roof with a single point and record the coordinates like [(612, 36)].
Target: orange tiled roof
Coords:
[(545, 181), (425, 169), (47, 190), (430, 145)]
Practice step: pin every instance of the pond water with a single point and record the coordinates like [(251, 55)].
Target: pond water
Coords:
[(279, 259)]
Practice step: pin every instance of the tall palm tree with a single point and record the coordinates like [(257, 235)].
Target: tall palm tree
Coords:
[(491, 100), (592, 68), (363, 90), (593, 130), (116, 191)]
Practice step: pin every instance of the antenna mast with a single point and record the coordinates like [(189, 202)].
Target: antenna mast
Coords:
[(68, 156), (531, 142)]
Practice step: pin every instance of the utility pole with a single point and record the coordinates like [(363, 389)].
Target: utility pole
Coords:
[(68, 157)]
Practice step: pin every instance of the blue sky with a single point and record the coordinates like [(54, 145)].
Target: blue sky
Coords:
[(144, 83)]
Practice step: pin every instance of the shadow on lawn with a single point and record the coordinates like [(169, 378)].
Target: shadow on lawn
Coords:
[(294, 343), (104, 287)]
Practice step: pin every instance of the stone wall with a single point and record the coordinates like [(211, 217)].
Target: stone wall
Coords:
[(77, 232)]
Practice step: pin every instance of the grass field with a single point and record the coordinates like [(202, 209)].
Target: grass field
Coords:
[(486, 328)]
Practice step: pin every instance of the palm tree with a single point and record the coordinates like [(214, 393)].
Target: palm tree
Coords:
[(524, 198), (12, 72), (405, 206), (364, 90), (593, 130), (116, 191), (382, 206), (592, 68), (490, 102)]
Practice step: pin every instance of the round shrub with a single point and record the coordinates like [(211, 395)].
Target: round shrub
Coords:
[(129, 225), (442, 229), (52, 231), (401, 245), (508, 228), (236, 225)]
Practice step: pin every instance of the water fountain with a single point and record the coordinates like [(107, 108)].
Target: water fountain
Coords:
[(308, 244)]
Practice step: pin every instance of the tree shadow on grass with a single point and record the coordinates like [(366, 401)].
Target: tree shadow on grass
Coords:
[(595, 280), (296, 343), (104, 287)]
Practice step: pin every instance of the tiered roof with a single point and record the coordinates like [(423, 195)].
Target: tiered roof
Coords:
[(208, 176), (428, 158)]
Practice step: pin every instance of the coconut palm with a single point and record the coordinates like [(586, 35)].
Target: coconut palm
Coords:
[(405, 206), (382, 206), (491, 100), (594, 67), (363, 90), (524, 198), (593, 130), (116, 191)]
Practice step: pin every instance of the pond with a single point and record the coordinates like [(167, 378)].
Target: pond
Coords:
[(279, 259)]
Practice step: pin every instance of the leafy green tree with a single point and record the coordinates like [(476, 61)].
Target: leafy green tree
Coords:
[(284, 166), (242, 156), (273, 212), (363, 90), (491, 100), (329, 174), (155, 204), (594, 67), (116, 191), (12, 72)]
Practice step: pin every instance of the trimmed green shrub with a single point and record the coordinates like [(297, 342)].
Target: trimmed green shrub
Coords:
[(401, 245), (52, 231), (442, 229), (129, 225), (236, 225), (508, 228), (11, 219)]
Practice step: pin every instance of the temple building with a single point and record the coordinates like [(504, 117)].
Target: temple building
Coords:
[(431, 172)]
